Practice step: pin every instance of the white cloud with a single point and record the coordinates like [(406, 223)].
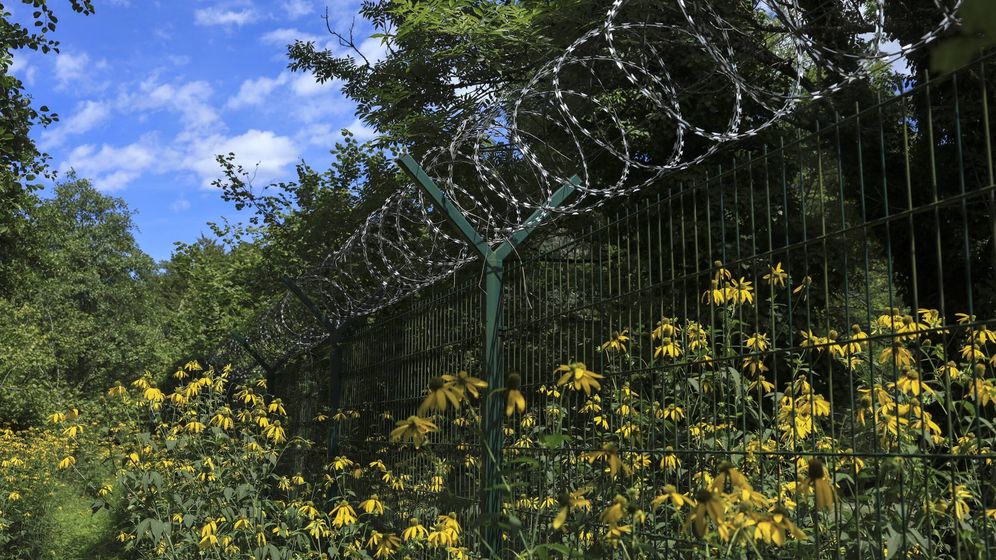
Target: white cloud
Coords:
[(255, 92), (111, 168), (88, 114), (297, 8), (23, 69), (318, 134), (373, 49), (361, 131), (69, 67), (271, 152), (306, 85), (218, 16), (286, 35), (321, 99), (179, 205), (325, 135), (190, 100)]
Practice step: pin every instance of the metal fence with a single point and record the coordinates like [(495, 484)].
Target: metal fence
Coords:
[(808, 315)]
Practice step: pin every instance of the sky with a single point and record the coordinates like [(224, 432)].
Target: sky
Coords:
[(149, 91)]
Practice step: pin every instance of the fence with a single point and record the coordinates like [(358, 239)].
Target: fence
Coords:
[(797, 340)]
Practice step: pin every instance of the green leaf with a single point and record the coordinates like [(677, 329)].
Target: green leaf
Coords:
[(552, 441)]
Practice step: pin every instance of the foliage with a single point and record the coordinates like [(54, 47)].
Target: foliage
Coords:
[(729, 441), (86, 296), (20, 160), (50, 476), (977, 33)]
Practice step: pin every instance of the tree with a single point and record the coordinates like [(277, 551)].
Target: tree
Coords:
[(86, 308), (21, 163)]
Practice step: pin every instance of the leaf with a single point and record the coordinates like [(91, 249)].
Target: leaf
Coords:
[(552, 441)]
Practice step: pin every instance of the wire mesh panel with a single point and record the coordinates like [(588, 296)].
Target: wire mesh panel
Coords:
[(386, 366), (787, 355)]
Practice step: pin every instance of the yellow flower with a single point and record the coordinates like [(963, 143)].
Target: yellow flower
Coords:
[(67, 462), (570, 501), (708, 505), (972, 352), (982, 390), (758, 342), (153, 395), (803, 288), (670, 461), (276, 406), (607, 453), (896, 354), (816, 477), (14, 496), (415, 531), (666, 328), (729, 471), (466, 383), (194, 427), (615, 511), (385, 545), (443, 537), (670, 494), (616, 532), (772, 528), (776, 275), (761, 384), (721, 272), (911, 384), (740, 291), (628, 430), (342, 514), (858, 340), (961, 497), (414, 429), (673, 413), (440, 393), (73, 431), (223, 419), (318, 529), (669, 348), (714, 295), (436, 484), (209, 533), (951, 371), (117, 390), (617, 343), (341, 463), (515, 400), (275, 433), (577, 376)]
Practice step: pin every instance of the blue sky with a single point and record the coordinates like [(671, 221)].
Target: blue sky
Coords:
[(149, 91)]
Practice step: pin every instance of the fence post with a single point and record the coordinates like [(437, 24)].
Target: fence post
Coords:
[(271, 374), (494, 283), (335, 362)]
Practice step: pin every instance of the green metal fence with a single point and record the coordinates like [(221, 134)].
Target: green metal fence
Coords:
[(808, 315)]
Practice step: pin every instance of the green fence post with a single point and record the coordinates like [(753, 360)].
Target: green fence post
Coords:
[(494, 283), (271, 374), (335, 356)]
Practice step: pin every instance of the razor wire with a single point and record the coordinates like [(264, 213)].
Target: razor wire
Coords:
[(508, 156)]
